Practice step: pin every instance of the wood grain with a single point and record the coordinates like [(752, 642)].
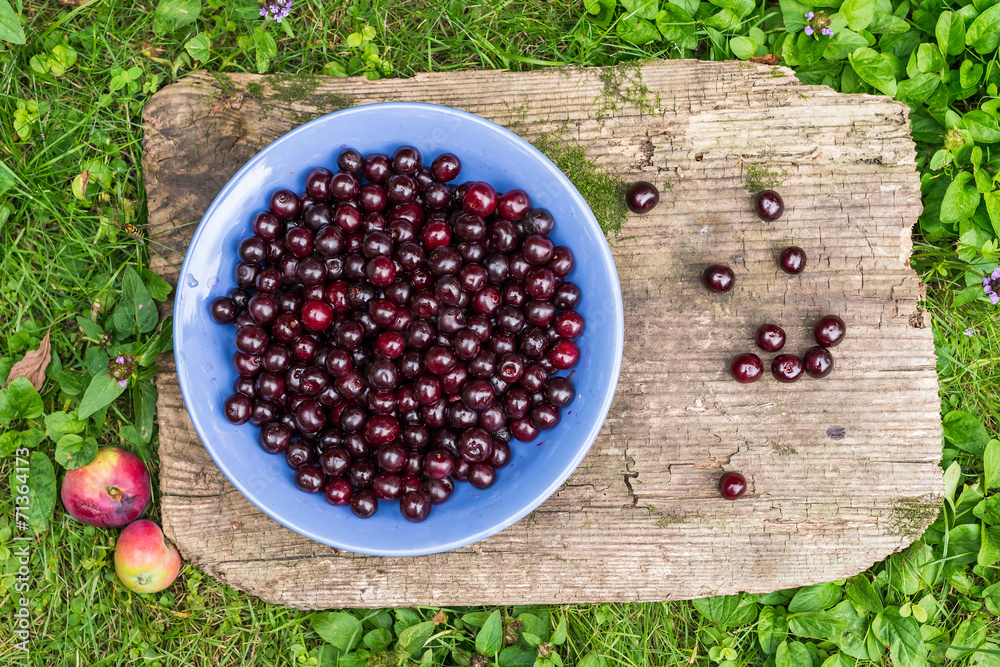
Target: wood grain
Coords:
[(842, 471)]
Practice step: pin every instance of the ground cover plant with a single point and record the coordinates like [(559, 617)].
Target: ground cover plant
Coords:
[(75, 287)]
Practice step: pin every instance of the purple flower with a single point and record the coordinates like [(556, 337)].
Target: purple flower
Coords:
[(990, 285), (277, 10), (818, 24), (122, 383), (970, 332), (120, 360)]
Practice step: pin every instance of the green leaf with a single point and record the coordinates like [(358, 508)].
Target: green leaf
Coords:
[(915, 90), (989, 549), (136, 312), (902, 636), (858, 13), (23, 401), (874, 70), (635, 30), (517, 656), (727, 610), (961, 429), (42, 491), (815, 598), (984, 33), (489, 639), (772, 628), (559, 635), (413, 638), (675, 24), (969, 636), (959, 202), (198, 47), (646, 9), (839, 660), (378, 640), (476, 618), (952, 476), (844, 43), (742, 47), (72, 451), (58, 424), (144, 408), (178, 13), (9, 442), (950, 33), (90, 328), (531, 624), (982, 126), (816, 625), (10, 28), (883, 23), (792, 654), (265, 47), (991, 457), (739, 8), (860, 591), (338, 628), (102, 391), (593, 659), (992, 201)]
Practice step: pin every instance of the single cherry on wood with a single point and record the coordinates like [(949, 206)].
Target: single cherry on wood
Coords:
[(769, 205), (829, 331), (642, 197), (732, 485), (718, 278)]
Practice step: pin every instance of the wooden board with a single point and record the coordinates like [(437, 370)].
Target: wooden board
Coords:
[(842, 471)]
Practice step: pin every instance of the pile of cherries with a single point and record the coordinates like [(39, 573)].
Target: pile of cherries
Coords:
[(395, 332)]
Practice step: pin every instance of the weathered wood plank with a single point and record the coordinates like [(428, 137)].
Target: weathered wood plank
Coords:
[(842, 471)]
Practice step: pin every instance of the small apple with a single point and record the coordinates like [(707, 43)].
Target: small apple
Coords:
[(110, 492), (145, 560)]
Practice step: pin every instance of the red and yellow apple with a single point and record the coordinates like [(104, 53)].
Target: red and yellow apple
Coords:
[(110, 492), (145, 560)]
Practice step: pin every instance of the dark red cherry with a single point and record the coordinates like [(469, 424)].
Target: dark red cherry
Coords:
[(318, 184), (770, 337), (446, 167), (829, 331), (274, 438), (818, 362), (309, 479), (237, 409), (344, 186), (564, 355), (480, 198), (284, 204), (732, 485), (566, 296), (513, 205), (266, 226), (223, 310), (718, 278), (786, 368), (338, 492), (364, 504), (376, 167), (482, 475), (350, 160), (415, 506), (792, 260), (746, 368), (317, 315), (642, 197), (769, 205), (538, 221)]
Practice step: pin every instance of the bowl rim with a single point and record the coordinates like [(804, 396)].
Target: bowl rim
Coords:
[(606, 259)]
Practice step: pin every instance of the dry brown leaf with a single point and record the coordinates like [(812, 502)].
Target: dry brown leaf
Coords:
[(769, 59), (33, 365), (439, 618), (72, 3)]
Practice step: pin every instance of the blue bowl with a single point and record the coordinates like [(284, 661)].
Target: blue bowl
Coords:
[(203, 349)]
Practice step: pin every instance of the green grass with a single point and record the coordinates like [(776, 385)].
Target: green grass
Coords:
[(61, 256)]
